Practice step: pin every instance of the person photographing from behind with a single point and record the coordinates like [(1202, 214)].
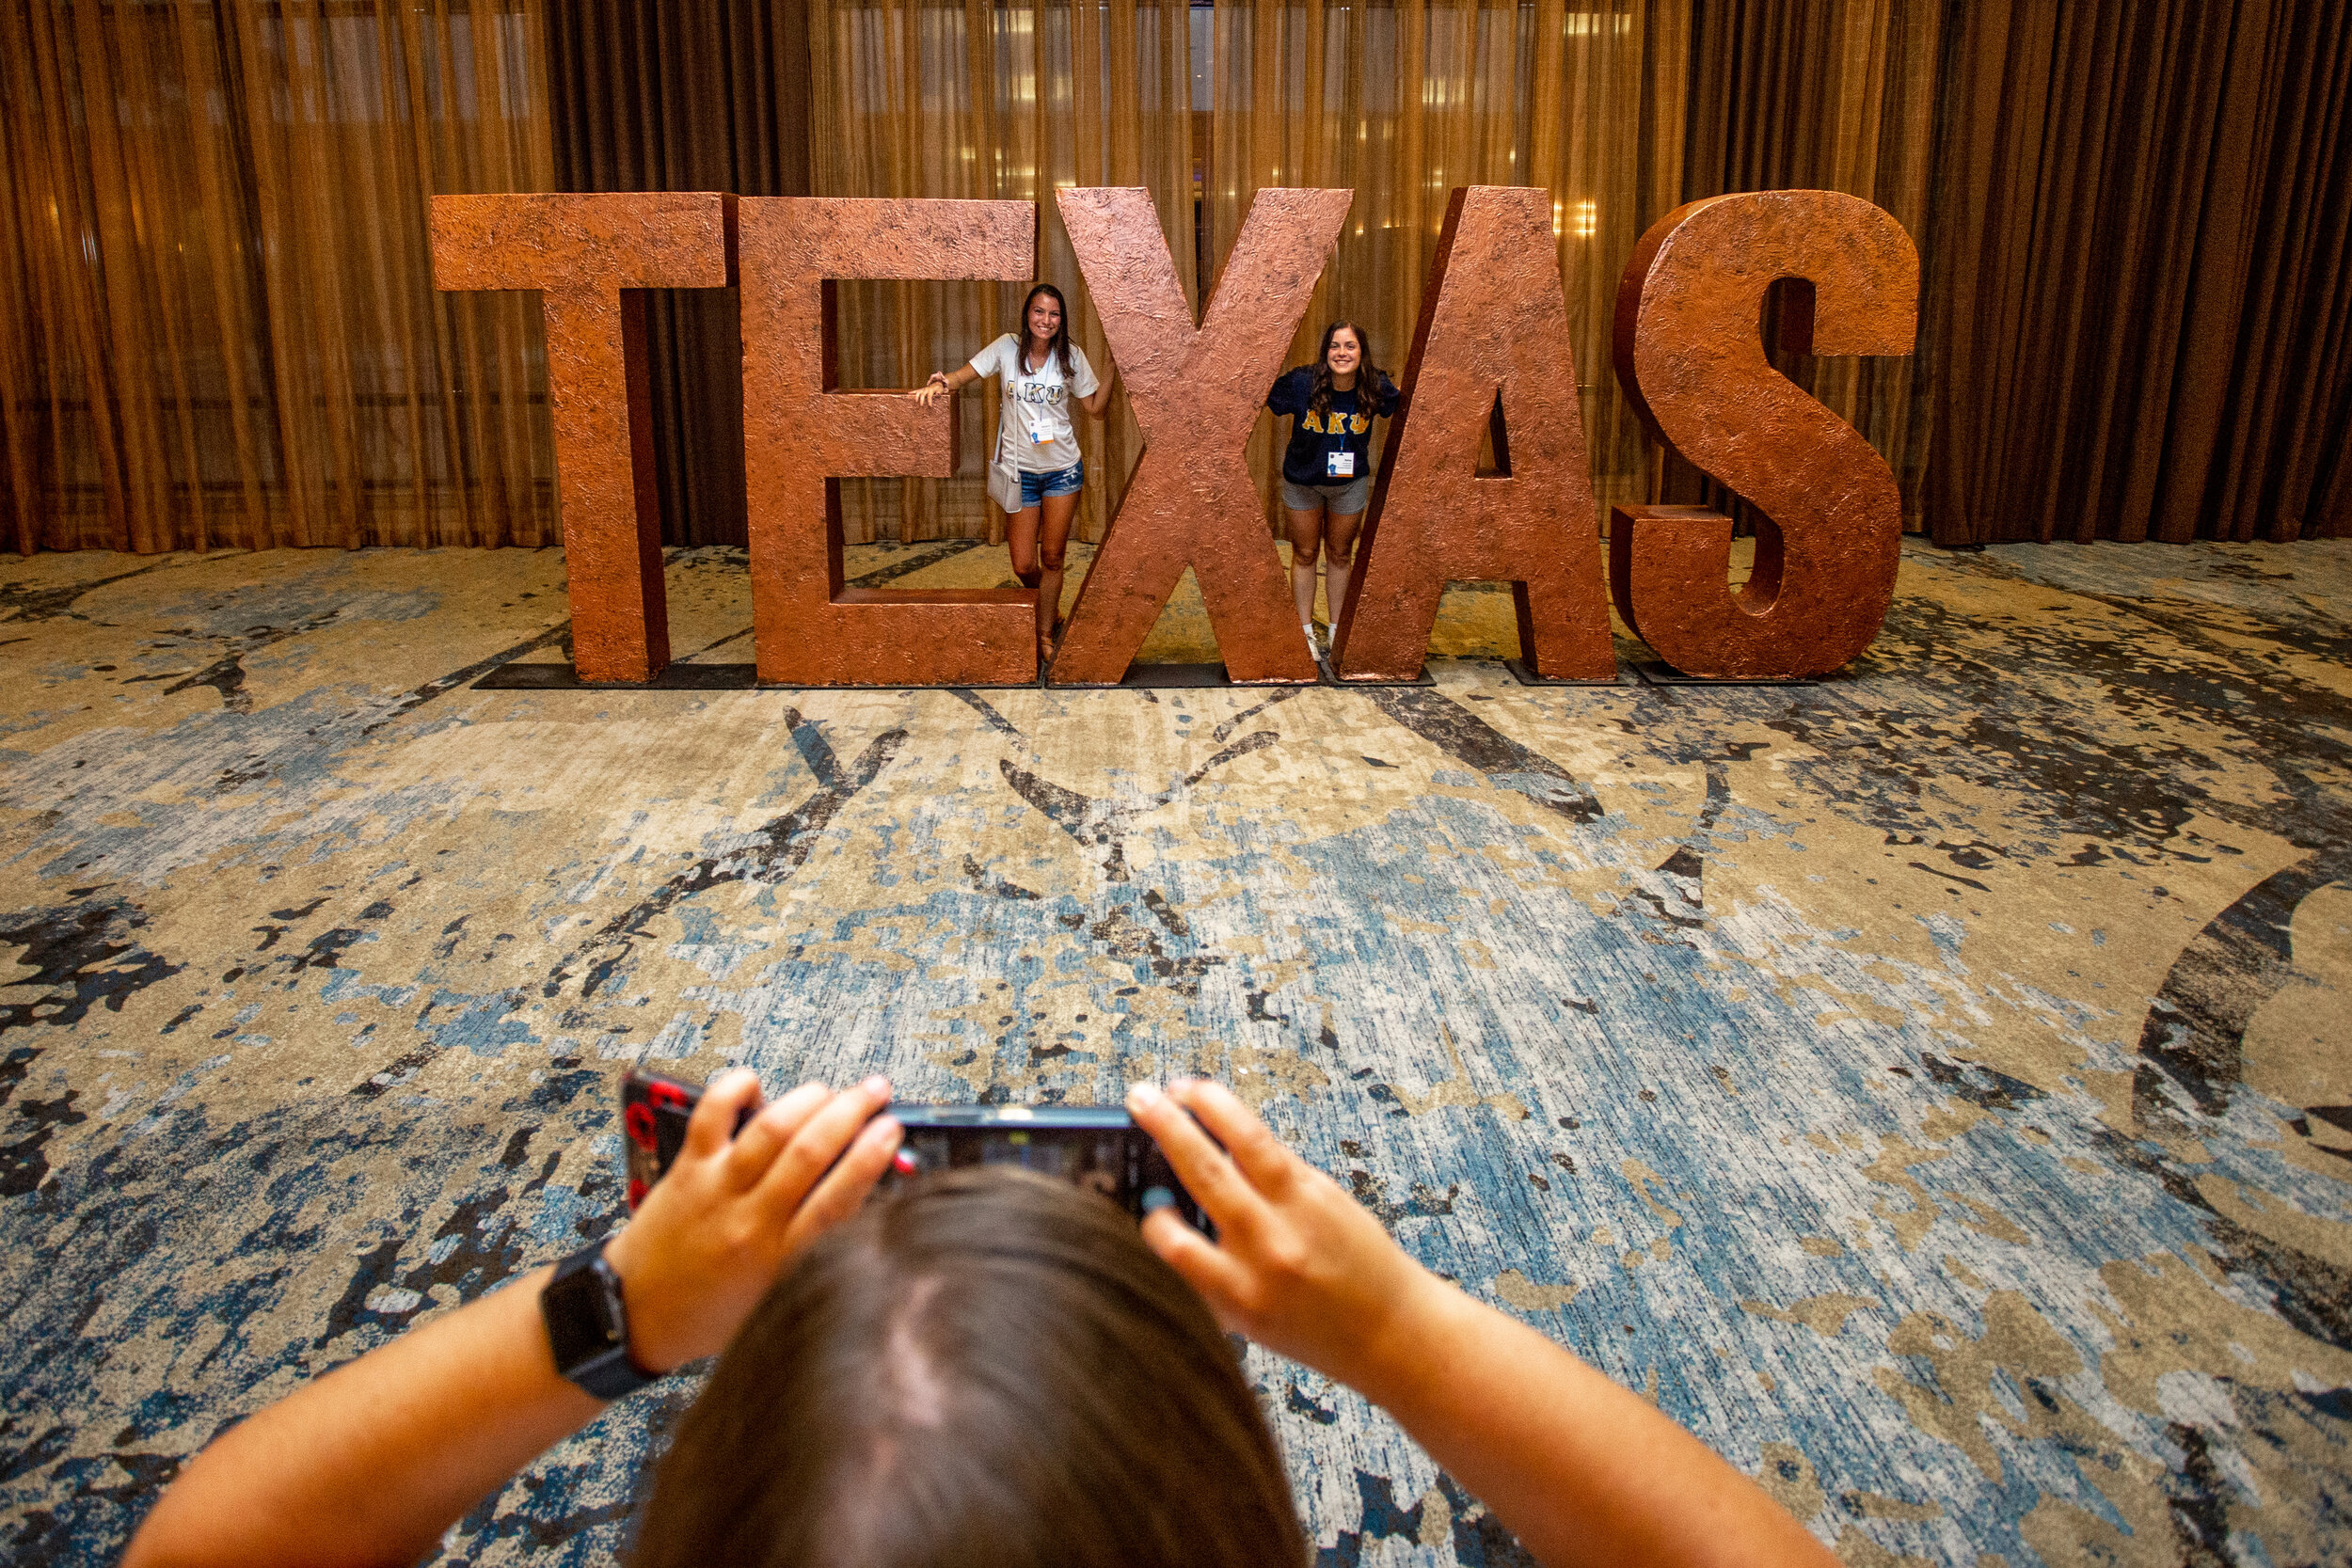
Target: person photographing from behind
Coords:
[(983, 1365)]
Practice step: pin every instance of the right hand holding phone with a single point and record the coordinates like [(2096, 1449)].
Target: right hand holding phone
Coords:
[(1299, 1264), (714, 1234)]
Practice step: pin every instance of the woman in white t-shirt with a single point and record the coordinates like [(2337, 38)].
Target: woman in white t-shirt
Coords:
[(1043, 374)]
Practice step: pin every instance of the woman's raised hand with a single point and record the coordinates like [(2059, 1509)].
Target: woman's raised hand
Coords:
[(1582, 1469), (714, 1233), (1299, 1265)]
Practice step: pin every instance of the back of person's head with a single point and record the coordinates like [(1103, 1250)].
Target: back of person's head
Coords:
[(984, 1368)]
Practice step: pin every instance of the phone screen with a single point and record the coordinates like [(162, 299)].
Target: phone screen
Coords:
[(1097, 1161)]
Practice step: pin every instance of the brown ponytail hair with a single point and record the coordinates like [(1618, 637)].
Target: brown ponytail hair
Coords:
[(1367, 374), (984, 1366)]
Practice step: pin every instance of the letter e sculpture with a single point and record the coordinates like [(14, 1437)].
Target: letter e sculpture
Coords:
[(800, 435)]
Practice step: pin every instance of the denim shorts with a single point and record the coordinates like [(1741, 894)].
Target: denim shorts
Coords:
[(1064, 482), (1346, 498)]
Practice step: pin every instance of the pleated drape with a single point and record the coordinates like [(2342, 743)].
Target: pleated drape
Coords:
[(685, 95), (2139, 292), (1404, 100), (217, 324), (995, 102)]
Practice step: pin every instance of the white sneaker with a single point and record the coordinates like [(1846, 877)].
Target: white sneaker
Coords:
[(1315, 646)]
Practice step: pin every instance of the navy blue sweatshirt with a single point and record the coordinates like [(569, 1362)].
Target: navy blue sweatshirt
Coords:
[(1314, 439)]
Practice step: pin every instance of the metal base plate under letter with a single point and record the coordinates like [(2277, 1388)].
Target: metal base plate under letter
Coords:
[(689, 677), (1525, 675), (1658, 674)]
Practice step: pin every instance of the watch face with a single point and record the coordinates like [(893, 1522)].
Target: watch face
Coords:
[(583, 1319)]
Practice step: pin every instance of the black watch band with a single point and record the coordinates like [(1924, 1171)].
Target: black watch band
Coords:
[(588, 1325)]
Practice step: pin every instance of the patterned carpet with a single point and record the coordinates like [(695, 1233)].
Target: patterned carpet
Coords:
[(1932, 1085)]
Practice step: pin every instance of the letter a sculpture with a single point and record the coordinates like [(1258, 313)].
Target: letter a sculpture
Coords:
[(1493, 332)]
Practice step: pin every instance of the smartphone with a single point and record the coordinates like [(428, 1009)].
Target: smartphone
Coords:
[(1097, 1147), (654, 1113)]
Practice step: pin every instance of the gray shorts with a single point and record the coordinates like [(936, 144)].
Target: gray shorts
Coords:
[(1346, 497)]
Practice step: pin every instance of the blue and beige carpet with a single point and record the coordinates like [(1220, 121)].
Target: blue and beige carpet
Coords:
[(1932, 1085)]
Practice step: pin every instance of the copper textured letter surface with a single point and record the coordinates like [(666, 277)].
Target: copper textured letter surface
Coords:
[(1492, 321), (590, 257), (801, 437), (1195, 393), (1689, 354)]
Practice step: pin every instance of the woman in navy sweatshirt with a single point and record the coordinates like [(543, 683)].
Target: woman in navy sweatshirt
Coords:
[(1327, 468)]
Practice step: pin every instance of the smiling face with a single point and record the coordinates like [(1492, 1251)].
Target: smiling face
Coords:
[(1045, 318), (1344, 353)]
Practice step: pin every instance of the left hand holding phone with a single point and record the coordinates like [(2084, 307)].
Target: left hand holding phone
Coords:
[(714, 1233)]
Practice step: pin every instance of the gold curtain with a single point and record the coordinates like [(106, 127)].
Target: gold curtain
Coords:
[(1833, 95), (1620, 110), (981, 100), (1404, 100), (218, 324)]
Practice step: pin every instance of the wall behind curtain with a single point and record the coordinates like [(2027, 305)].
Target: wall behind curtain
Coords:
[(1003, 100), (217, 321), (685, 95)]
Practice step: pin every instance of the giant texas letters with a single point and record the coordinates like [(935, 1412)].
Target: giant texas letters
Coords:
[(1490, 359)]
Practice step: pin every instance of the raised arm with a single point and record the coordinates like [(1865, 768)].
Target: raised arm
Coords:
[(370, 1463), (1580, 1469)]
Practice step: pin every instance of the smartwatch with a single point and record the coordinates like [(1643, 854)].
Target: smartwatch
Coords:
[(588, 1325)]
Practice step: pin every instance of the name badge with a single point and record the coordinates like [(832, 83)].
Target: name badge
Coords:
[(1339, 465)]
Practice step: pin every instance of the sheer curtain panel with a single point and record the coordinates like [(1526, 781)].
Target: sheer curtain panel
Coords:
[(993, 102), (218, 317)]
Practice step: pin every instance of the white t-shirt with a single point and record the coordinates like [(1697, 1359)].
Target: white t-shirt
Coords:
[(1034, 425)]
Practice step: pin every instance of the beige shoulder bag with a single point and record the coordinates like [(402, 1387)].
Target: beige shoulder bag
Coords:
[(1004, 476)]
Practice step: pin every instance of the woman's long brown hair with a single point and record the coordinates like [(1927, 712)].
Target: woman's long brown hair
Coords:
[(1367, 374), (987, 1367)]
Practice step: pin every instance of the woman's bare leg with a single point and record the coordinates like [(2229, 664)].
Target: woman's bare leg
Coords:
[(1052, 546), (1338, 562), (1305, 530), (1020, 542)]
